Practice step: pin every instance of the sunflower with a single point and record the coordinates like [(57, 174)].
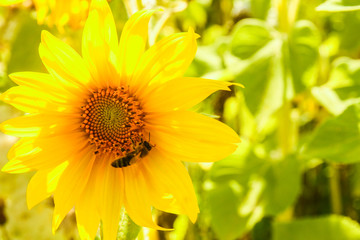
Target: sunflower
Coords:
[(109, 129)]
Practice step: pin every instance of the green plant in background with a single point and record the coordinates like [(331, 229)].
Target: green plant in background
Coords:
[(296, 174), (301, 102)]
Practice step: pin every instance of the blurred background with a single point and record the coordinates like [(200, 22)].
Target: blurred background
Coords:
[(296, 173)]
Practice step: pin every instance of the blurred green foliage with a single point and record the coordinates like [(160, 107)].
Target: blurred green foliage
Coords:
[(334, 227), (296, 174)]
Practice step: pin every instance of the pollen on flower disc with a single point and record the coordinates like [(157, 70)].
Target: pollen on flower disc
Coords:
[(113, 120)]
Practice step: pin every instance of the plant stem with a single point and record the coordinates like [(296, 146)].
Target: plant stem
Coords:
[(159, 25), (131, 7), (287, 13), (293, 11), (284, 129), (335, 192), (283, 19), (287, 127)]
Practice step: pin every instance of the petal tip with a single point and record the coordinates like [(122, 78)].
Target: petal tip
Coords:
[(97, 5), (29, 201), (159, 9), (8, 168), (12, 75), (193, 219), (238, 84), (4, 169), (44, 35), (2, 97), (55, 223), (193, 33), (15, 167)]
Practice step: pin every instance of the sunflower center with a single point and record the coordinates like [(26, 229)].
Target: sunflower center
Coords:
[(113, 120)]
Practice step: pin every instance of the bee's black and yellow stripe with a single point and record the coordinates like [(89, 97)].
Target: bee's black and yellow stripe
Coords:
[(141, 151), (123, 162)]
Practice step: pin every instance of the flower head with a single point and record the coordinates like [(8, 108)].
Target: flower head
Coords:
[(109, 129)]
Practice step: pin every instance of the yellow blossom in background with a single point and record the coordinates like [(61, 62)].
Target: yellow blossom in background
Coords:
[(61, 13), (109, 129), (58, 13), (9, 2)]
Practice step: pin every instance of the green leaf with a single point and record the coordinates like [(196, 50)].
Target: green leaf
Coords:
[(249, 36), (339, 6), (262, 230), (345, 78), (260, 8), (272, 66), (239, 166), (250, 188), (236, 180), (343, 87), (263, 77), (24, 50), (337, 139), (206, 60), (304, 43), (128, 230), (345, 72), (348, 32), (331, 227), (19, 45), (283, 185), (226, 220), (329, 99), (193, 16)]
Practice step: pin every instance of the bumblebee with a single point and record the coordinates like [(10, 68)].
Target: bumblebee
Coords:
[(124, 161), (130, 158)]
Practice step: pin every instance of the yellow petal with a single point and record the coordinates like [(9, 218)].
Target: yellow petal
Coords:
[(42, 9), (87, 208), (166, 60), (100, 43), (64, 63), (192, 136), (112, 200), (181, 93), (71, 184), (133, 41), (24, 147), (137, 204), (43, 184), (21, 147), (31, 154), (32, 101), (41, 81), (87, 219), (168, 178), (34, 125)]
